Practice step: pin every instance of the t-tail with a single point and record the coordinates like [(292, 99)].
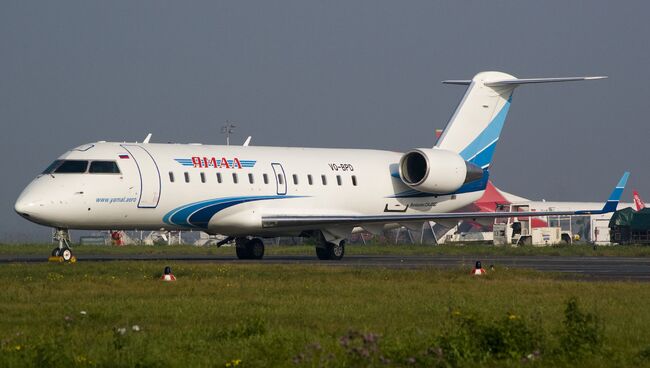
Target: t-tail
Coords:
[(474, 128)]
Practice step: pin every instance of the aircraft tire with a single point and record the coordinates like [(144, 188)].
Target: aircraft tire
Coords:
[(243, 252), (66, 254), (323, 253), (55, 252), (337, 251), (255, 248)]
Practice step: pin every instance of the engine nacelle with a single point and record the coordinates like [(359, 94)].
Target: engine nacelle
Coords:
[(436, 171)]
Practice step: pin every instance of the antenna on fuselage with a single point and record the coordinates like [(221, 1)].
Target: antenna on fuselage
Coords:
[(227, 130), (146, 140)]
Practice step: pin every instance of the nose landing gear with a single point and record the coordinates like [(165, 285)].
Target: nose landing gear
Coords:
[(62, 253)]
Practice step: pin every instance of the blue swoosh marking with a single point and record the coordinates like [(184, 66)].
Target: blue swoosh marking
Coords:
[(198, 214), (202, 217)]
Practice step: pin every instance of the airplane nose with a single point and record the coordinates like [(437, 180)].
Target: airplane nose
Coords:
[(27, 205), (24, 206), (20, 207)]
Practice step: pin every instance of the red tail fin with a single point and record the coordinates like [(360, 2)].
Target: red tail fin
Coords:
[(638, 203)]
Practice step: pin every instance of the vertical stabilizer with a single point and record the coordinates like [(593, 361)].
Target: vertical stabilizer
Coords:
[(474, 128)]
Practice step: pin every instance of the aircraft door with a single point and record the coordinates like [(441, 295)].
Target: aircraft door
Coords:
[(280, 178), (149, 176)]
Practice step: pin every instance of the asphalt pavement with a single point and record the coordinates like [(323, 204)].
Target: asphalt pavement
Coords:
[(608, 268)]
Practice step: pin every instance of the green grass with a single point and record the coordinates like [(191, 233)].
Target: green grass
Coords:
[(254, 315), (371, 249)]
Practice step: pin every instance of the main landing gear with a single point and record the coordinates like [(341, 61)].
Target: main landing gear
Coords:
[(330, 251), (62, 251), (249, 248)]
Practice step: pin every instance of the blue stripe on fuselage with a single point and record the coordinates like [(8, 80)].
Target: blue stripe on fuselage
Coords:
[(198, 214)]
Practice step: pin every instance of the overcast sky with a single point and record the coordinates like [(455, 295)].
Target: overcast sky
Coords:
[(360, 74)]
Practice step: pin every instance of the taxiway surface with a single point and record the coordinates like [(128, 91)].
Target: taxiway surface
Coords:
[(612, 268)]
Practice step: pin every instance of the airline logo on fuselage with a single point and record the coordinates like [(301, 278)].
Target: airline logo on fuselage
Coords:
[(216, 162)]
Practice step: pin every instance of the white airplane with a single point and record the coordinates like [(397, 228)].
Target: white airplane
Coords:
[(251, 192)]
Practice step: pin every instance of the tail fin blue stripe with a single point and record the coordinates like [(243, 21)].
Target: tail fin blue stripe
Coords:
[(481, 150)]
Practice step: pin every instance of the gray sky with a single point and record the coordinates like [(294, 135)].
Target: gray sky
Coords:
[(326, 74)]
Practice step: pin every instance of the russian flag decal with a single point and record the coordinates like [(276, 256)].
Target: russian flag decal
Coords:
[(124, 156)]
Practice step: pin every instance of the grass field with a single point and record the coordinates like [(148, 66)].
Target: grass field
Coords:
[(371, 249), (252, 315)]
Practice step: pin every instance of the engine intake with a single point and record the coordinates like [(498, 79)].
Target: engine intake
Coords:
[(436, 171)]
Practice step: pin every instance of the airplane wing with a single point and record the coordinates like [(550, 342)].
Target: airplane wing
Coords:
[(279, 221)]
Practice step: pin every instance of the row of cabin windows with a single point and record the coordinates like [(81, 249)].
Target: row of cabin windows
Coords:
[(265, 178)]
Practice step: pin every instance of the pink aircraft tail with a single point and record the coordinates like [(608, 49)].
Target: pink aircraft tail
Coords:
[(638, 203)]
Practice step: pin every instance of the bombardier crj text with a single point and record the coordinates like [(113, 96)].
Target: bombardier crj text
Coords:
[(249, 193)]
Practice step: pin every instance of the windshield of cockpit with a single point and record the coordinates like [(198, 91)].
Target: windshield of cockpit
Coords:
[(82, 167)]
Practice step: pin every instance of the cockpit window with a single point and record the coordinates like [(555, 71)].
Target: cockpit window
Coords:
[(52, 167), (104, 167), (72, 167)]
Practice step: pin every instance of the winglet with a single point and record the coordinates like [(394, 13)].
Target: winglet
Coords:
[(248, 141), (146, 140), (614, 198)]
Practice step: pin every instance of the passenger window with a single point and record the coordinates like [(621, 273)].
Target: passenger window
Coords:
[(338, 180), (103, 167), (280, 179), (202, 177), (310, 180), (171, 177), (219, 178), (266, 178), (323, 179), (251, 179), (354, 180), (52, 166), (295, 179), (72, 167), (187, 177), (234, 178)]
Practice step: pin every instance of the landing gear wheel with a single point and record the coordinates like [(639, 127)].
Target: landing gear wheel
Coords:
[(66, 254), (323, 253), (331, 251), (337, 250), (251, 249), (55, 252), (242, 252), (255, 248)]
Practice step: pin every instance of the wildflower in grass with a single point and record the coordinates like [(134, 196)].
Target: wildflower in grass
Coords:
[(121, 330), (233, 363), (18, 347), (135, 328), (83, 313)]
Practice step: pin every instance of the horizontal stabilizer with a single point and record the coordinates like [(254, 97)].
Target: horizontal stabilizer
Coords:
[(517, 81)]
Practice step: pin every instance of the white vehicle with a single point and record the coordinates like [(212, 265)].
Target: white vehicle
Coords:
[(250, 192)]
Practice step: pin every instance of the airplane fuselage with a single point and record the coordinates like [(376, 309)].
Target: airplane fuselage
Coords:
[(221, 189)]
